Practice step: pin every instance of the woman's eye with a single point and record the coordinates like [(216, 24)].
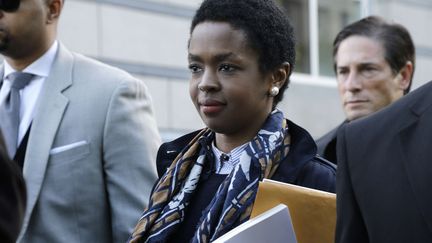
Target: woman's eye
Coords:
[(226, 68), (194, 68)]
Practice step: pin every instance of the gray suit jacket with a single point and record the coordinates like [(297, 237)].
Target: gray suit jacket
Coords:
[(90, 159)]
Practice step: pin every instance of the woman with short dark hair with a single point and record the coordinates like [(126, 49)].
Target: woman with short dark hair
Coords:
[(241, 54)]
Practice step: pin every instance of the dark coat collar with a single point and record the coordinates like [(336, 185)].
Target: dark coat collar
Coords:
[(326, 145), (302, 150)]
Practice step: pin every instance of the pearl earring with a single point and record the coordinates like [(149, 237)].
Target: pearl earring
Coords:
[(274, 91)]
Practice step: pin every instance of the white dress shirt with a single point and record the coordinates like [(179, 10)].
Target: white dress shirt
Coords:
[(29, 94), (230, 160)]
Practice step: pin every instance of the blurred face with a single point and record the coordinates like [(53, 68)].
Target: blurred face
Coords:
[(24, 31), (227, 87), (366, 82)]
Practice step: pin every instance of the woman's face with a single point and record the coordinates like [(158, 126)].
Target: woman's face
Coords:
[(227, 87)]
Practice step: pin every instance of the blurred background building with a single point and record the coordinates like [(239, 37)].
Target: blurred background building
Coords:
[(149, 39)]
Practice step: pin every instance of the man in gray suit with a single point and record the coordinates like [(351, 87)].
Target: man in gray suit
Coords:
[(374, 64), (87, 137)]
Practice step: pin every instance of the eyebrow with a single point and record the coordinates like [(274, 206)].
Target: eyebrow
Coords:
[(362, 64), (216, 58)]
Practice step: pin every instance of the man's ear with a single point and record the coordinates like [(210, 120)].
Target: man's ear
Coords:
[(54, 10), (404, 76), (280, 75)]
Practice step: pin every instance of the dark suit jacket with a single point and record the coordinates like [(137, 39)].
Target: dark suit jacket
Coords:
[(384, 178), (12, 197), (326, 145)]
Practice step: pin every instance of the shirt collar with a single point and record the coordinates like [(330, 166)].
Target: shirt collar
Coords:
[(233, 155), (41, 67)]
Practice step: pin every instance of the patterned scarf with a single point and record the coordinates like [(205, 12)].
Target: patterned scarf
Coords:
[(234, 199)]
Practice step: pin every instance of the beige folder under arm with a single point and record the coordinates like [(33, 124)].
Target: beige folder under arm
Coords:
[(313, 212)]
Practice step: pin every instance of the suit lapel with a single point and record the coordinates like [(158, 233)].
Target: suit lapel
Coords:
[(414, 147), (48, 114)]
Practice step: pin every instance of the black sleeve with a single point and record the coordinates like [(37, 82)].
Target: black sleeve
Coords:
[(318, 174), (12, 198)]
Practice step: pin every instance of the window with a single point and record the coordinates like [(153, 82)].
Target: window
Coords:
[(298, 14), (333, 15), (316, 23)]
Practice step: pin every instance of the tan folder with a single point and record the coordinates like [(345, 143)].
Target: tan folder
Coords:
[(313, 212)]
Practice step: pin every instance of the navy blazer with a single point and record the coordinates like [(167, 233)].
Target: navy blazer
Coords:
[(301, 167)]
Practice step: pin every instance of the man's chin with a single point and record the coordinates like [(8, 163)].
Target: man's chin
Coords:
[(354, 115)]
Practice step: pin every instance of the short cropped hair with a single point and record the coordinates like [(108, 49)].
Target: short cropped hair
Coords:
[(268, 31), (396, 40)]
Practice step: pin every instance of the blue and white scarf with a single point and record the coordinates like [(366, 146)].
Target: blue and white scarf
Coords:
[(234, 199)]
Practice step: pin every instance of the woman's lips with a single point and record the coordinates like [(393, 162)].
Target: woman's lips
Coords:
[(209, 110), (211, 107)]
